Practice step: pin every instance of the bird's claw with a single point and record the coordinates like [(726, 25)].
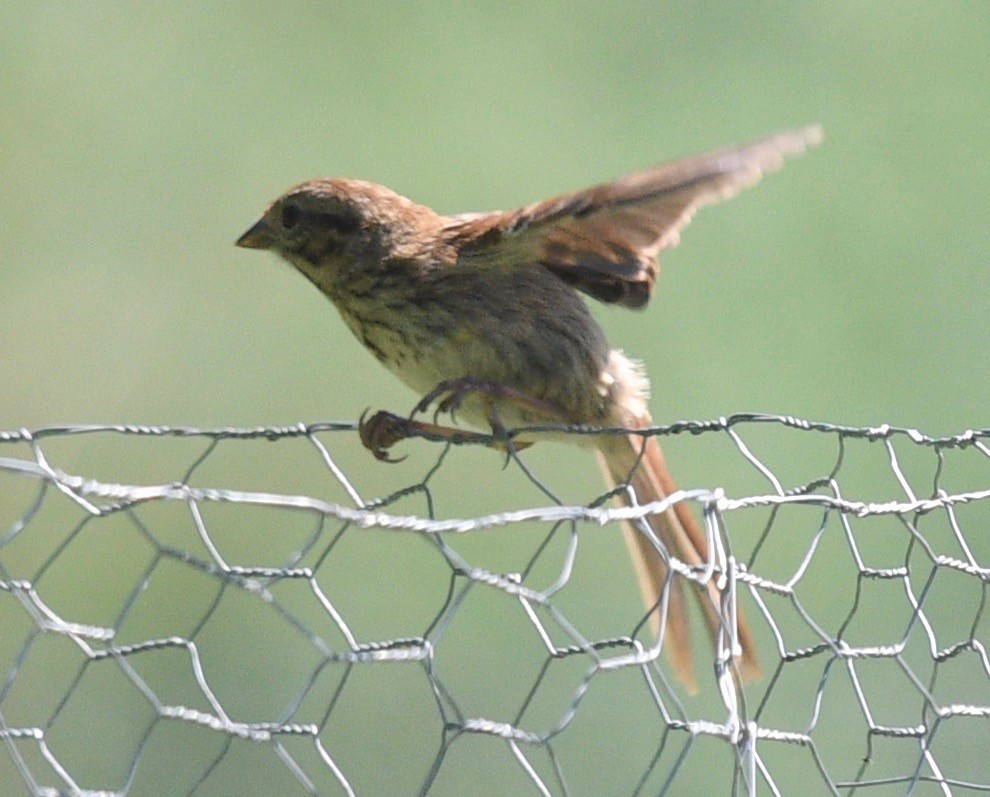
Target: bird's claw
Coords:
[(453, 393), (382, 431)]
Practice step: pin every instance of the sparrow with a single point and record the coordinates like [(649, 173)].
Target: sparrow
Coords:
[(482, 314)]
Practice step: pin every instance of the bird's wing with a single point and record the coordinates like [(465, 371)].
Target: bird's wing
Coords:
[(604, 240)]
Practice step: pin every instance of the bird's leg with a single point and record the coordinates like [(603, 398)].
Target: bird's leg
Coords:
[(455, 391), (384, 429)]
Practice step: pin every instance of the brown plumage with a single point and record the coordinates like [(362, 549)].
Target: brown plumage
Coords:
[(484, 306)]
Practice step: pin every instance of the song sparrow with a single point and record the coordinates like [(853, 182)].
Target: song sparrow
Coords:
[(482, 311)]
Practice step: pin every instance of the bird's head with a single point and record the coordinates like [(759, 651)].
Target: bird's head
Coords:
[(332, 228)]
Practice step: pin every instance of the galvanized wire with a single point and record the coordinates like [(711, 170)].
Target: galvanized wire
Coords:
[(867, 579)]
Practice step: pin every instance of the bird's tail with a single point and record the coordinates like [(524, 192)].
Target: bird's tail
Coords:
[(637, 461)]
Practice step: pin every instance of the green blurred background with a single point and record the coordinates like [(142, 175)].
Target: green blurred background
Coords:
[(139, 142)]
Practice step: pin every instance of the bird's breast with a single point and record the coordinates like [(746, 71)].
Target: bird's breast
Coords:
[(523, 329)]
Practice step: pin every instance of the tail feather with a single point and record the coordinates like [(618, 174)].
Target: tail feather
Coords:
[(638, 462)]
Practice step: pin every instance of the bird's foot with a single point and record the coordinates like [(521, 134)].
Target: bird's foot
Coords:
[(384, 429), (450, 394)]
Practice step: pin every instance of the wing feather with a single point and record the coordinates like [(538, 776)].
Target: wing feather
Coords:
[(604, 240)]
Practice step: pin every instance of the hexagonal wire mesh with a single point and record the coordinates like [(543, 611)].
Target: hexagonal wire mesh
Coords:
[(163, 635)]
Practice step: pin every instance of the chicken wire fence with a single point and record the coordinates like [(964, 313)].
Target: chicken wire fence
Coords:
[(231, 611)]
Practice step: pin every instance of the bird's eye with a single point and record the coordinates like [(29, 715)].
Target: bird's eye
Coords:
[(290, 215)]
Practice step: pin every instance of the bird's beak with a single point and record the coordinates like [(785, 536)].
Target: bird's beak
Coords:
[(258, 237)]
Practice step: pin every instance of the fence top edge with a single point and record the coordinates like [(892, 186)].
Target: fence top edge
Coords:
[(274, 433)]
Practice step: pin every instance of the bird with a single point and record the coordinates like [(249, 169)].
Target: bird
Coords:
[(482, 314)]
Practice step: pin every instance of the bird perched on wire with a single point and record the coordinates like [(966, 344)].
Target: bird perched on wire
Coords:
[(481, 313)]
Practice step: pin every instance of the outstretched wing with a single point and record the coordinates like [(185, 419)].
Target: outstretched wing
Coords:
[(604, 240)]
